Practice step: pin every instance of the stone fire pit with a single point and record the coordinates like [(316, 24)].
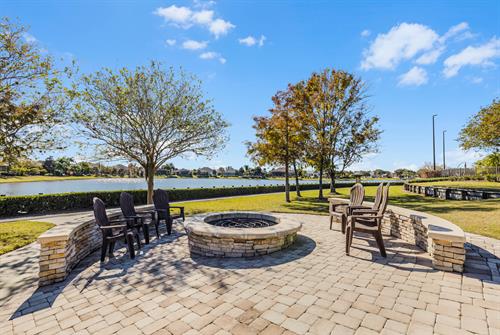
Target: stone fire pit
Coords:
[(239, 234)]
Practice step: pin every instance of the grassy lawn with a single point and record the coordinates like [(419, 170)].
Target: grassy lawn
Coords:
[(23, 179), (16, 234), (479, 217), (486, 185)]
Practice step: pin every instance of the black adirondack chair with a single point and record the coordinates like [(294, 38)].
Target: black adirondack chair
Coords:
[(341, 210), (162, 209), (136, 221), (112, 231), (368, 222)]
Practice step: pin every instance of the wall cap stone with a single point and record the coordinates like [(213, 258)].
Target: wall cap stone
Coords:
[(438, 228)]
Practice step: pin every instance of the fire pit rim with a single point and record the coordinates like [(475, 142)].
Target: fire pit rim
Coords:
[(196, 224)]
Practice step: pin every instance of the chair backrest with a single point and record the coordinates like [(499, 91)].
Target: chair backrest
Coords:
[(357, 195), (101, 218), (127, 204), (378, 196), (385, 201), (160, 199)]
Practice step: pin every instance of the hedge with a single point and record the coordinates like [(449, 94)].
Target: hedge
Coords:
[(45, 203), (488, 177)]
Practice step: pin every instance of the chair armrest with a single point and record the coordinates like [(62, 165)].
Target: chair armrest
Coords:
[(113, 226), (364, 210), (120, 220), (366, 217)]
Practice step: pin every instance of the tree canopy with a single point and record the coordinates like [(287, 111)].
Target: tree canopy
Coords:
[(148, 115), (32, 96), (482, 132)]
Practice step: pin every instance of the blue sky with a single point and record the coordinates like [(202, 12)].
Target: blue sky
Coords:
[(418, 58)]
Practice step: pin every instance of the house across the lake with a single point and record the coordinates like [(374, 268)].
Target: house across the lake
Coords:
[(206, 172)]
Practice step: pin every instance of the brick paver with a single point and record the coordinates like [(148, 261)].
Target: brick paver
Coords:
[(311, 288)]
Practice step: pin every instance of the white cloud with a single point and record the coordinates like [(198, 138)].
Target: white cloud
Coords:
[(194, 45), (472, 56), (185, 17), (213, 55), (476, 80), (30, 39), (430, 57), (219, 27), (457, 156), (171, 42), (365, 33), (251, 41), (209, 55), (400, 43), (415, 77), (180, 16), (203, 17), (455, 30)]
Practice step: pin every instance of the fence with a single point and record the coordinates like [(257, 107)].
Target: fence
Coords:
[(473, 171)]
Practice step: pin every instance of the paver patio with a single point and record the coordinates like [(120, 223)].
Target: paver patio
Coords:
[(313, 287)]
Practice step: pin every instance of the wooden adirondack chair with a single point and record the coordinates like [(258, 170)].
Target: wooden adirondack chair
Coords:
[(162, 209), (137, 221), (368, 222), (340, 210), (376, 204), (112, 231)]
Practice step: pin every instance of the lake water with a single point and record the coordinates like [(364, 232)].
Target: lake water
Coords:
[(117, 184)]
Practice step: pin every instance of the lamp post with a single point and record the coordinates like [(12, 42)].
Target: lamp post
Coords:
[(444, 155), (433, 143)]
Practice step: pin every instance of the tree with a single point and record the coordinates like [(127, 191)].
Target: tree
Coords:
[(62, 166), (32, 99), (334, 109), (148, 115), (482, 132), (278, 136), (405, 173), (48, 165)]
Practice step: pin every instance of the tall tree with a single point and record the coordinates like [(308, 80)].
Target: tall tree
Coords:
[(278, 136), (482, 132), (149, 115), (32, 99), (336, 114)]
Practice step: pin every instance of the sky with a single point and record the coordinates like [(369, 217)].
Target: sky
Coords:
[(418, 58)]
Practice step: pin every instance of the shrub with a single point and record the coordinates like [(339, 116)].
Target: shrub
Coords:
[(44, 203)]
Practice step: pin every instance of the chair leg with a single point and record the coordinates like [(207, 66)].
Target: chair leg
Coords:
[(380, 243), (104, 248), (344, 223), (168, 222), (347, 240), (138, 238), (145, 230), (130, 244), (111, 248), (157, 228), (331, 221)]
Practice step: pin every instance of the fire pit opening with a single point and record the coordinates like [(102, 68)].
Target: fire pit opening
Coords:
[(239, 222)]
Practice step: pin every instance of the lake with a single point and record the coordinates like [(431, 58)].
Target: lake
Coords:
[(117, 184)]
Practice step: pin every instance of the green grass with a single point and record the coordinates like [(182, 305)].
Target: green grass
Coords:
[(485, 185), (15, 234), (479, 217)]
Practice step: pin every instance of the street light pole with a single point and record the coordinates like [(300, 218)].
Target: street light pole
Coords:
[(444, 155), (433, 143)]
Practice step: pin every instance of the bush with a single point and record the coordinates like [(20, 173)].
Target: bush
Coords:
[(44, 203)]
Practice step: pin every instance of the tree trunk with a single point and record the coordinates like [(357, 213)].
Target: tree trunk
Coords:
[(149, 172), (297, 186), (320, 195), (332, 181), (287, 182)]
